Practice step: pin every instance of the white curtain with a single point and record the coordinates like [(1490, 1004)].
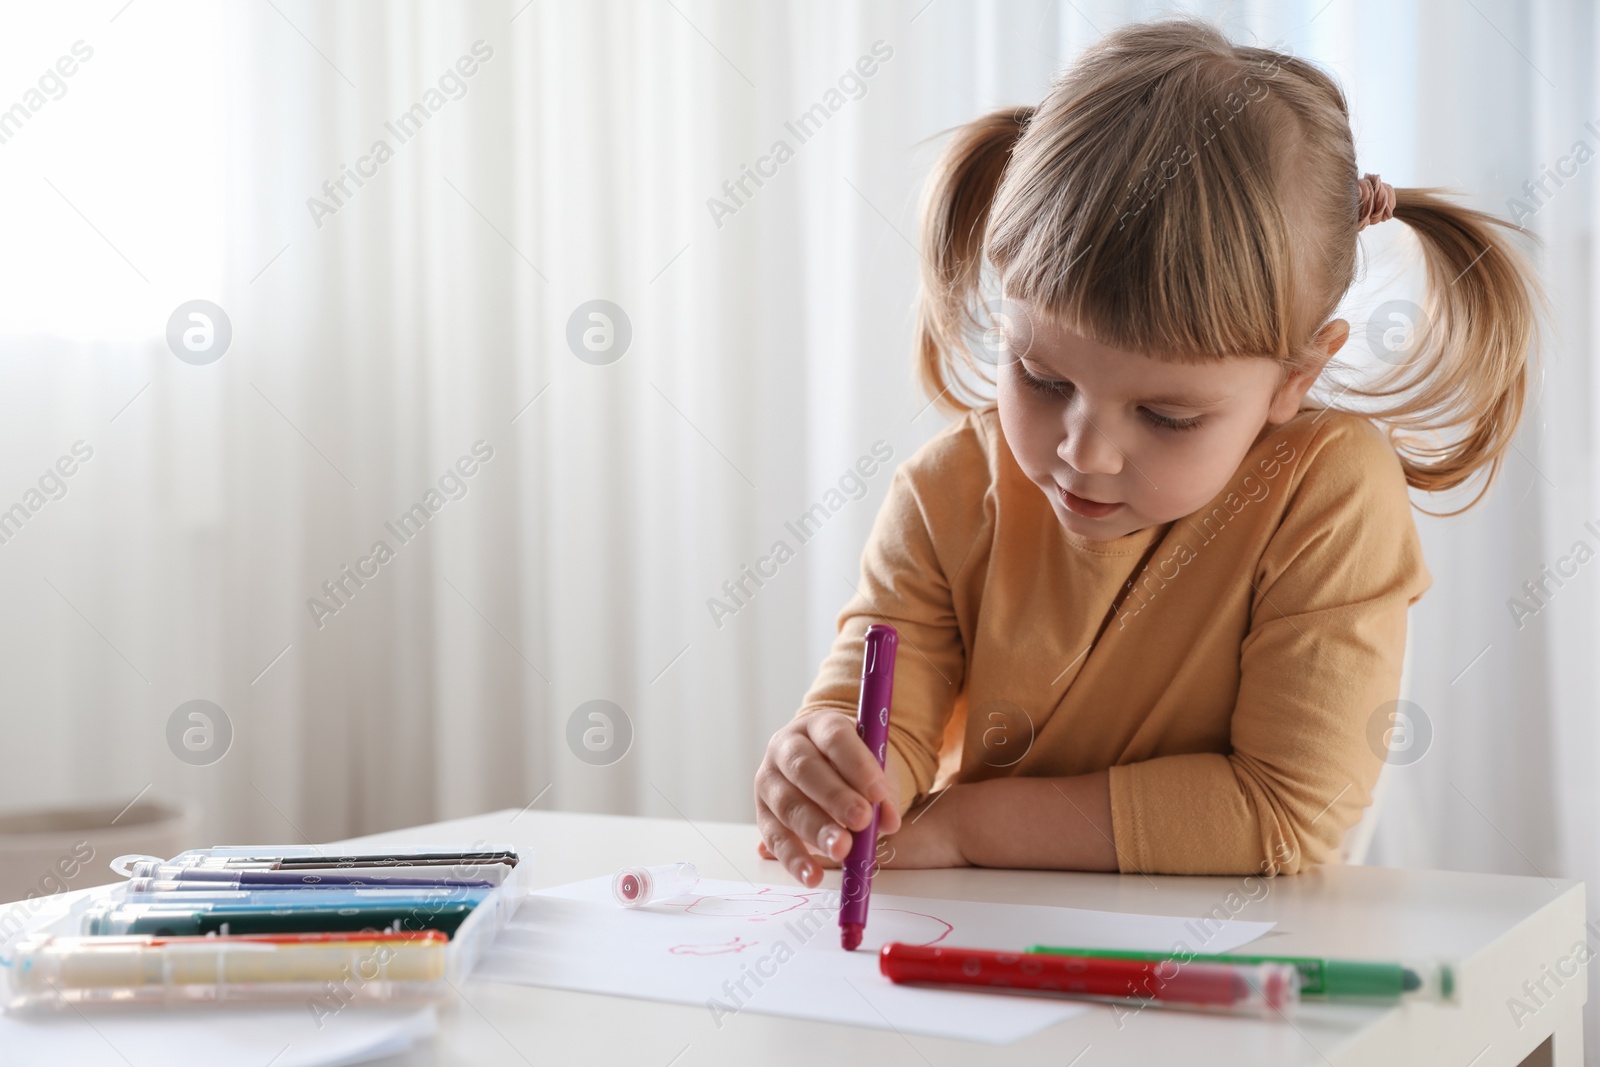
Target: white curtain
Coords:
[(380, 334)]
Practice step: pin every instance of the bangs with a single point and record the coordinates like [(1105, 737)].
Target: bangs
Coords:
[(1151, 217)]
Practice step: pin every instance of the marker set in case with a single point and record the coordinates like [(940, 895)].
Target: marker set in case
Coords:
[(234, 925)]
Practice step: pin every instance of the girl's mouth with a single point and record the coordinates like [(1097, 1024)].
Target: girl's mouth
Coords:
[(1089, 509)]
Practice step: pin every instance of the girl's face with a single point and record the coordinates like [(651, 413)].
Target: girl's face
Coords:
[(1120, 441)]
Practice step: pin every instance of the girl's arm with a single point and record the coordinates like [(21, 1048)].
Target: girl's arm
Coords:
[(1038, 823), (1050, 823), (1028, 823), (814, 786)]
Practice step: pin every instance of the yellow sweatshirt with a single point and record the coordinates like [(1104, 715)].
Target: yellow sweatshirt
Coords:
[(1232, 668)]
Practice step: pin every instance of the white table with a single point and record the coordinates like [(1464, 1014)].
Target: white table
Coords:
[(1501, 930)]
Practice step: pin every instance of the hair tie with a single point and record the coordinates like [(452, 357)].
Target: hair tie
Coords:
[(1377, 200)]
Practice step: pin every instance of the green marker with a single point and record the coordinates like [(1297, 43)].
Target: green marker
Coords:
[(1319, 978)]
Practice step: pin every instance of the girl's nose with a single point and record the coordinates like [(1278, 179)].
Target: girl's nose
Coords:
[(1087, 450)]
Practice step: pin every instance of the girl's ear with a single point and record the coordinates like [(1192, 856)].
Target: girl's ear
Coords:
[(1286, 401)]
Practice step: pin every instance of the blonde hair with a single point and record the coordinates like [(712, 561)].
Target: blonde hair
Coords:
[(1179, 195)]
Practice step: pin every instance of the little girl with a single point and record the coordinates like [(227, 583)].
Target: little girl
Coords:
[(1151, 604)]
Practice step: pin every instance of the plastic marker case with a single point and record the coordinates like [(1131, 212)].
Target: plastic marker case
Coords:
[(442, 907)]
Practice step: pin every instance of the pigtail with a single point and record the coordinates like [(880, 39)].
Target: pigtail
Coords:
[(954, 222), (1455, 402)]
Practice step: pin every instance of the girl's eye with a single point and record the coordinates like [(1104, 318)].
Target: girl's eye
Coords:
[(1055, 387), (1044, 386), (1166, 422)]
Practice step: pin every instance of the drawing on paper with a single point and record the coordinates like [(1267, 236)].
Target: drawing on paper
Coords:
[(911, 927), (715, 948)]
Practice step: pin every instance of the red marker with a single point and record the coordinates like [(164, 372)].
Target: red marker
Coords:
[(1266, 989)]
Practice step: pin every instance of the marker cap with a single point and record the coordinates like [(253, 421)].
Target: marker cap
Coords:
[(634, 887)]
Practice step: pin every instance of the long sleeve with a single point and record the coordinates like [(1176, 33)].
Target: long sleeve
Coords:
[(1321, 660), (1231, 669), (913, 551)]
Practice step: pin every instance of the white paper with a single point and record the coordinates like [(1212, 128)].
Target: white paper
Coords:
[(282, 1037), (782, 944)]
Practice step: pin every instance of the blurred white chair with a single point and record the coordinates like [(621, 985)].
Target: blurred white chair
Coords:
[(1359, 838)]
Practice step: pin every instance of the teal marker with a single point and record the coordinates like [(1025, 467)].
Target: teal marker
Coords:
[(1319, 978)]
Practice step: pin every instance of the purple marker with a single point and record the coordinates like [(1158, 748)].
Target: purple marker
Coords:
[(872, 726)]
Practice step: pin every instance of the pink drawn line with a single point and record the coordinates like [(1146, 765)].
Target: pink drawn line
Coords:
[(947, 927), (715, 949)]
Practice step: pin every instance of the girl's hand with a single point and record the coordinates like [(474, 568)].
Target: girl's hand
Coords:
[(816, 785), (929, 836)]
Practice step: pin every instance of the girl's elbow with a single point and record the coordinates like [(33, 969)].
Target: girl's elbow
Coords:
[(1300, 845)]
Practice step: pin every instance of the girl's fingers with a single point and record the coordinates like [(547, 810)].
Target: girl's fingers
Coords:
[(888, 814), (766, 853), (863, 782), (806, 768), (801, 815), (786, 847), (817, 785), (827, 863)]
